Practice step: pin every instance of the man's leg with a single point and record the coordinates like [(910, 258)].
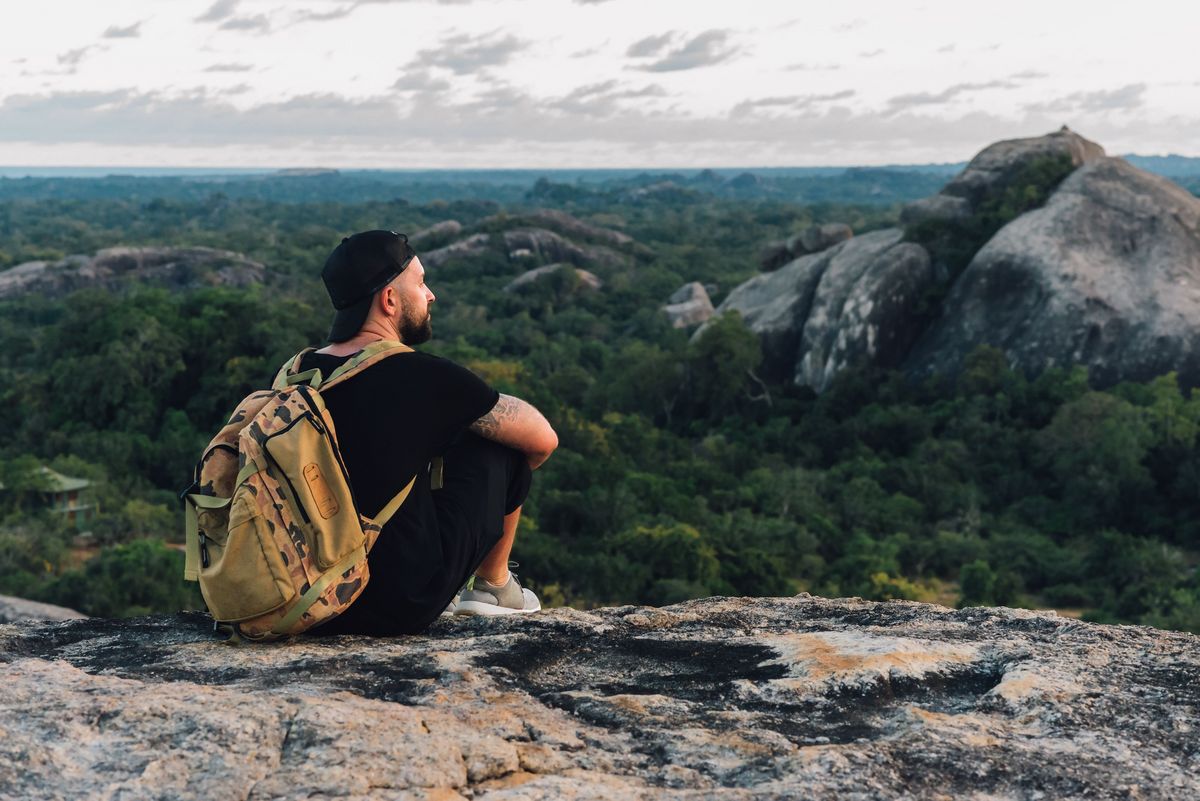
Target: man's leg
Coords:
[(494, 568)]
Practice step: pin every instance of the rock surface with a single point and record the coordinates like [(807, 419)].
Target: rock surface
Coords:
[(16, 610), (848, 304), (530, 277), (799, 698), (991, 170), (175, 268), (689, 305), (1106, 274), (438, 232)]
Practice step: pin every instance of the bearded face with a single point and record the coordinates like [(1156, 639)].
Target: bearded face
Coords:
[(415, 325)]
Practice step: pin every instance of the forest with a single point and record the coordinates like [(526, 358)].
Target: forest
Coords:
[(680, 473)]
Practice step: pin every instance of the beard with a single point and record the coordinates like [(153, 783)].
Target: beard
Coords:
[(414, 331)]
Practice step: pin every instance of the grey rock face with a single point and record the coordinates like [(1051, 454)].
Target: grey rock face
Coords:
[(689, 305), (112, 268), (713, 699), (1106, 274), (863, 311), (464, 248), (847, 304), (438, 232), (527, 279), (816, 238), (568, 225), (993, 168), (16, 610), (545, 245)]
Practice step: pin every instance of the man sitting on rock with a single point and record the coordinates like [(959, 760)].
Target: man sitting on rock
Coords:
[(393, 420)]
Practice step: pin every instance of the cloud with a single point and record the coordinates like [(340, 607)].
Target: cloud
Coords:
[(946, 48), (788, 103), (592, 125), (218, 11), (809, 67), (902, 102), (308, 15), (128, 32), (420, 81), (703, 50), (602, 99), (259, 23), (1029, 75), (71, 58), (852, 25), (229, 67), (650, 46), (463, 54), (872, 53), (1125, 98)]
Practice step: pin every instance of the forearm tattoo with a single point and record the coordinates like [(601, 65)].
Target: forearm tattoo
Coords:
[(504, 411)]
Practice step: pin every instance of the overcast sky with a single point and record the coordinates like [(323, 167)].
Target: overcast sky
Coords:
[(587, 83)]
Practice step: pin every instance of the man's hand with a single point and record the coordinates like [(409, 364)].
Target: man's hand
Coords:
[(520, 426)]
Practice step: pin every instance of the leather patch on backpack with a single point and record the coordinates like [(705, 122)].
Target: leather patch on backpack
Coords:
[(327, 505)]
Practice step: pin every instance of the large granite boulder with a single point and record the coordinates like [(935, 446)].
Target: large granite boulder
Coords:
[(1106, 274), (114, 268), (473, 245), (852, 303), (527, 279), (816, 238), (714, 699), (439, 232), (563, 223), (689, 305), (992, 170)]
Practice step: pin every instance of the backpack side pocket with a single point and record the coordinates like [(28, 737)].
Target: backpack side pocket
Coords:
[(246, 576)]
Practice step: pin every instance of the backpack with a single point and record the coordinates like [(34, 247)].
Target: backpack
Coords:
[(273, 534)]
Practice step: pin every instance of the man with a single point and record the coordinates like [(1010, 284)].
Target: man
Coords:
[(393, 419)]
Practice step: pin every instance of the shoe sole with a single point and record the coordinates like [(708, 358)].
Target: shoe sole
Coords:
[(478, 608)]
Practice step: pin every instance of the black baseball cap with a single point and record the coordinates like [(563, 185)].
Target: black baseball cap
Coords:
[(359, 267)]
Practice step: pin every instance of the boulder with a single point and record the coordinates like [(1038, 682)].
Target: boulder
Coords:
[(1106, 274), (718, 698), (864, 311), (473, 245), (816, 238), (544, 245), (527, 279), (689, 305), (16, 610), (565, 224), (993, 168), (114, 268), (851, 303), (438, 232), (774, 255)]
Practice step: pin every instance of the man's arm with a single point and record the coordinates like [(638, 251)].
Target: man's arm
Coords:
[(520, 426)]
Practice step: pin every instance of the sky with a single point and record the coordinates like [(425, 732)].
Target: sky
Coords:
[(423, 84)]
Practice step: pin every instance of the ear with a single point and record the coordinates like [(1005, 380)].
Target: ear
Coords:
[(388, 301)]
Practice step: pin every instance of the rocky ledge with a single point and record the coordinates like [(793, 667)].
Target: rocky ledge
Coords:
[(719, 698)]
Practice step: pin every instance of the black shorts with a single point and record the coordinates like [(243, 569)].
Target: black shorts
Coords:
[(482, 482)]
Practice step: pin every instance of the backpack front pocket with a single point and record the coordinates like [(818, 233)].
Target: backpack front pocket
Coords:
[(246, 576)]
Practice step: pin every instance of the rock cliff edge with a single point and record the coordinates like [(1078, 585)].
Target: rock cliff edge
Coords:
[(718, 698)]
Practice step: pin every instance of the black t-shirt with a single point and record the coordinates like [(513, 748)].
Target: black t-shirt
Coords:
[(391, 420)]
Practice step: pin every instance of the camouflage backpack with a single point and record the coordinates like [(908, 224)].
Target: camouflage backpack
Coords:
[(273, 533)]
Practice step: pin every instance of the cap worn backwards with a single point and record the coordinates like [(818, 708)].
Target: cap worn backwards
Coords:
[(357, 268)]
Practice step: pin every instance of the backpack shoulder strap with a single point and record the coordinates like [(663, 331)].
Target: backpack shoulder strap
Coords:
[(371, 354), (290, 373)]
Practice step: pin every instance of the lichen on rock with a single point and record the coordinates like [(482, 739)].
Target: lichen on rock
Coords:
[(716, 698)]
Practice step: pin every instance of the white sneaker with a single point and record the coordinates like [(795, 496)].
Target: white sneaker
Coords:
[(483, 598)]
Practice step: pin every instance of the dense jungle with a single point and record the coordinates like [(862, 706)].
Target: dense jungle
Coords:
[(682, 472)]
